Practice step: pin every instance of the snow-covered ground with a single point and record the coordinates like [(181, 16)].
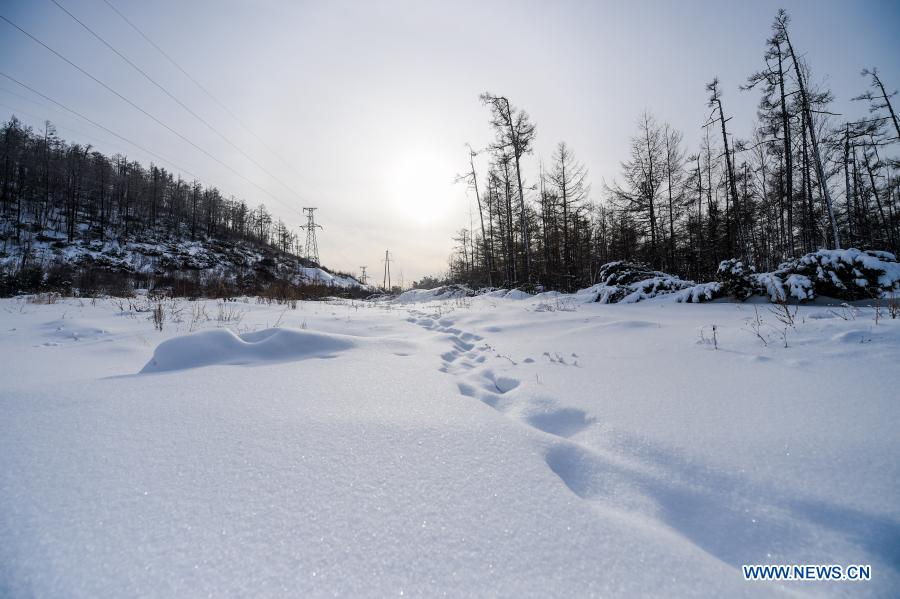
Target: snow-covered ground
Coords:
[(482, 446)]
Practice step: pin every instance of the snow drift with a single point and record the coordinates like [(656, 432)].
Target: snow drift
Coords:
[(438, 293), (222, 346)]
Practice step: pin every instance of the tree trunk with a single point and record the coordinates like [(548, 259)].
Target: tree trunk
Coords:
[(487, 254), (817, 157), (788, 156), (517, 152), (847, 192), (729, 176), (884, 220), (887, 102)]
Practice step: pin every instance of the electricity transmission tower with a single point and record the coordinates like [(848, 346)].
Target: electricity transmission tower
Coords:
[(364, 275), (312, 245), (386, 284)]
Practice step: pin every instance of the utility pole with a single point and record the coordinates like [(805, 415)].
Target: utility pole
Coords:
[(363, 277), (386, 284), (312, 245)]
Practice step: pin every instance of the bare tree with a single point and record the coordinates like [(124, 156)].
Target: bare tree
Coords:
[(715, 102), (674, 176), (776, 116), (880, 99), (643, 173), (515, 133), (471, 178), (781, 22), (570, 179)]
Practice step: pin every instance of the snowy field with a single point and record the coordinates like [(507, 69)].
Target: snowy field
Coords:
[(467, 447)]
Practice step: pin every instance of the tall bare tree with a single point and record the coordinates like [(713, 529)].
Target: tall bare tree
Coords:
[(570, 179), (643, 174), (879, 99), (471, 178), (515, 133), (715, 102), (674, 176), (781, 26)]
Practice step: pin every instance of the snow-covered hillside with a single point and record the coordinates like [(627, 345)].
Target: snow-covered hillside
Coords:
[(172, 255), (467, 446)]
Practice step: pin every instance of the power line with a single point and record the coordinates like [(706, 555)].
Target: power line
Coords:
[(107, 130), (85, 139), (175, 99), (26, 98), (20, 112), (79, 118), (98, 125), (150, 116), (102, 127), (202, 88)]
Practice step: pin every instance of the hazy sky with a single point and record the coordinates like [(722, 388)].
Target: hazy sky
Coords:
[(370, 103)]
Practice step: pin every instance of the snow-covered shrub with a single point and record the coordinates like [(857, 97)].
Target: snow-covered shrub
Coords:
[(614, 279), (630, 282), (736, 279), (844, 274), (849, 274), (771, 285), (784, 285), (625, 273), (800, 287), (701, 292), (608, 294), (486, 290), (658, 285)]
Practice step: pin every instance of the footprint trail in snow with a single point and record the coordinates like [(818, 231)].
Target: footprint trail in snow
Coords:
[(724, 515), (466, 361)]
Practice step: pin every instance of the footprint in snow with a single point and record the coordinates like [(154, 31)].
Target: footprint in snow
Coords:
[(502, 384), (559, 421)]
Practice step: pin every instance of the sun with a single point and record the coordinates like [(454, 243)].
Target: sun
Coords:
[(420, 186)]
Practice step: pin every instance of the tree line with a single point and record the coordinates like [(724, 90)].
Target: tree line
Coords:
[(804, 180), (54, 190)]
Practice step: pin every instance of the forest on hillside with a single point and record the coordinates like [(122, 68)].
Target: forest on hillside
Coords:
[(77, 222), (805, 180), (50, 185)]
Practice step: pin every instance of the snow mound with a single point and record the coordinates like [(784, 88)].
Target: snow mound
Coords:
[(517, 294), (494, 293), (514, 294), (222, 346), (456, 291), (426, 295)]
